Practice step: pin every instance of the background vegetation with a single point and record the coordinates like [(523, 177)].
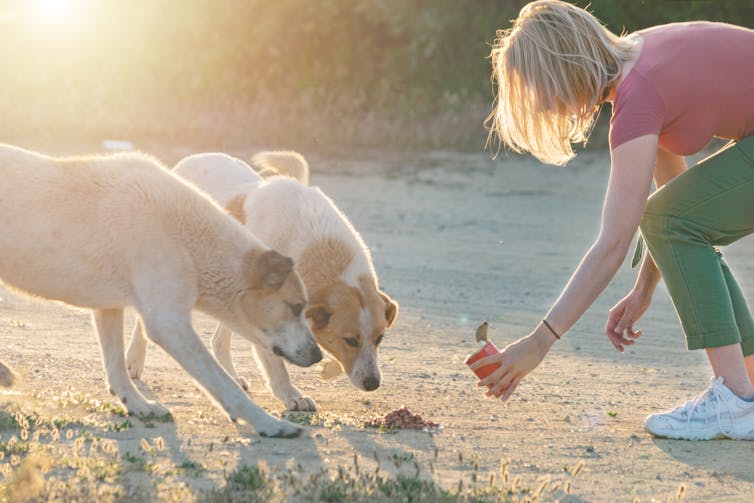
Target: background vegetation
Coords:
[(289, 73)]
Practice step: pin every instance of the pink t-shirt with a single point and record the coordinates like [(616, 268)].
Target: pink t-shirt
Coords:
[(692, 81)]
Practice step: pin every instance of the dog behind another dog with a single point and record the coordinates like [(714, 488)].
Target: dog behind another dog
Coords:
[(109, 232), (348, 312)]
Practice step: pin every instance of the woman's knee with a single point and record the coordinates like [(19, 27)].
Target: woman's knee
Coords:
[(654, 228)]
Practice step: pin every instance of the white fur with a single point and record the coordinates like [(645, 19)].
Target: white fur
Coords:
[(105, 233), (288, 216)]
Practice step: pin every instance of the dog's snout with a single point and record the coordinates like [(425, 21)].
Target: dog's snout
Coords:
[(315, 356), (319, 354), (371, 383)]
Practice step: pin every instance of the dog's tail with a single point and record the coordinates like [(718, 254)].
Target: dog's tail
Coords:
[(7, 377), (281, 162)]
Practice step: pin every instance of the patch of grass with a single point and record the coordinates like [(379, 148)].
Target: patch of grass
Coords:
[(118, 427), (256, 483), (137, 463), (304, 418), (191, 468), (8, 420), (149, 420), (14, 447), (71, 398)]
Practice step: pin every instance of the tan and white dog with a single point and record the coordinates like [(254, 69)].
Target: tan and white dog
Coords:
[(109, 232), (347, 311)]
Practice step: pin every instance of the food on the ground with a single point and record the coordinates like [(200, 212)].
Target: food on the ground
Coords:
[(402, 419)]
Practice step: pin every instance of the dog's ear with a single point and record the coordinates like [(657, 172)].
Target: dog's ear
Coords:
[(235, 208), (267, 270), (391, 308), (319, 316)]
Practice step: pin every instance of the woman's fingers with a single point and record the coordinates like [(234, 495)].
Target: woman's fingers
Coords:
[(493, 377), (508, 392), (613, 338), (634, 334), (487, 360), (501, 385)]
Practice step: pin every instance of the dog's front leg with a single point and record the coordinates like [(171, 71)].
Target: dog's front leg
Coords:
[(137, 351), (279, 381), (109, 326), (221, 350), (176, 336)]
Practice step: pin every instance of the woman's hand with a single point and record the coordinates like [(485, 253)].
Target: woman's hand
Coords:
[(515, 360), (620, 321)]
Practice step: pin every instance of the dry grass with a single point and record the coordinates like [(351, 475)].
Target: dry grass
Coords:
[(69, 447)]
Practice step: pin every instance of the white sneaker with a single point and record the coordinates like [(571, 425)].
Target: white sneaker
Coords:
[(716, 413)]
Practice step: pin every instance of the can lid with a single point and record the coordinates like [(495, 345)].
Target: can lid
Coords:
[(481, 333)]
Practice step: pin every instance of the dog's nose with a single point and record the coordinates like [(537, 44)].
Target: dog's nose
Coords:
[(371, 383), (316, 355)]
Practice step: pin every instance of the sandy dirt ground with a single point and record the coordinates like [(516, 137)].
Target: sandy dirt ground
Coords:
[(456, 239)]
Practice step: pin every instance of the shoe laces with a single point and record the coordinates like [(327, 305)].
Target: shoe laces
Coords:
[(711, 396)]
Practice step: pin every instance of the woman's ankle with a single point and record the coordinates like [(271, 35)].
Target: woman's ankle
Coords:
[(742, 389)]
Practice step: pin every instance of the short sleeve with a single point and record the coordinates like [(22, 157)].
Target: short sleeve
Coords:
[(638, 110)]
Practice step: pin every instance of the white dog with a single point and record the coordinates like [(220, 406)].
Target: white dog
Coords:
[(109, 232), (348, 312)]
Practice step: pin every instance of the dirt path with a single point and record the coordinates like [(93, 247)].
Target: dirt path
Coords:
[(456, 239)]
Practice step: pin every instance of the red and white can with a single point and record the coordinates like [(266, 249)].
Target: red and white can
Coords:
[(487, 350)]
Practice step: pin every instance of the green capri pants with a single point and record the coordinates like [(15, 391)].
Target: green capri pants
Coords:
[(710, 204)]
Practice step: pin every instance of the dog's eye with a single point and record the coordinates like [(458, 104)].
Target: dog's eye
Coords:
[(379, 339), (296, 308), (352, 342)]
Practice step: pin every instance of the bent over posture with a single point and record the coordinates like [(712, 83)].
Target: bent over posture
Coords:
[(672, 88)]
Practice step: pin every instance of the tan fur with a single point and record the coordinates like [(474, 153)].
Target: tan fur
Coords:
[(109, 232), (334, 313), (348, 312), (323, 261), (281, 162), (235, 208)]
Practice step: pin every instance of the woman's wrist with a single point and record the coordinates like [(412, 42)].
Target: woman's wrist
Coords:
[(649, 276), (544, 338), (646, 283)]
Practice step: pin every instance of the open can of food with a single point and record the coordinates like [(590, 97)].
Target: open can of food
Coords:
[(488, 349)]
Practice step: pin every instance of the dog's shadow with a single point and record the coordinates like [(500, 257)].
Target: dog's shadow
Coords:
[(722, 457)]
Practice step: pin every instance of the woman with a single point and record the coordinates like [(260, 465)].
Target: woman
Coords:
[(672, 88)]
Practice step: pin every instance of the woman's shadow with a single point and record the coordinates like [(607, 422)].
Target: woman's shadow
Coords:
[(721, 457)]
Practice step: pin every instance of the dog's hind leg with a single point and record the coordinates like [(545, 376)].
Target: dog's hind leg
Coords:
[(279, 381), (221, 350), (176, 336), (109, 325), (137, 351)]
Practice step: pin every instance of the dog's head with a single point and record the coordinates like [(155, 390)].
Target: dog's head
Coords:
[(349, 323), (270, 309)]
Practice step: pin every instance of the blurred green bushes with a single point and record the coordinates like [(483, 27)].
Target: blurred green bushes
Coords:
[(292, 73)]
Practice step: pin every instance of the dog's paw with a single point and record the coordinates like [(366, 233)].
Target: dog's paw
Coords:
[(278, 428), (244, 383), (7, 377), (301, 404), (146, 408)]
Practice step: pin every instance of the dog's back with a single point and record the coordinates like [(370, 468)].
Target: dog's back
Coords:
[(310, 216), (73, 228), (219, 175)]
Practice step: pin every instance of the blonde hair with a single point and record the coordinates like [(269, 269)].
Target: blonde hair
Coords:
[(552, 69)]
